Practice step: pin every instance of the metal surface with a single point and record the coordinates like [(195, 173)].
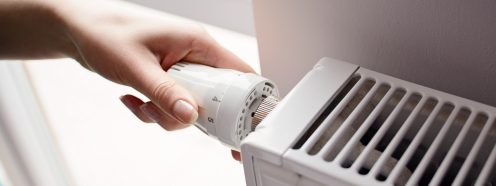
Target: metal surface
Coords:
[(268, 104)]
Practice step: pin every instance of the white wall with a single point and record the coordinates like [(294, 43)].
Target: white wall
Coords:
[(448, 45)]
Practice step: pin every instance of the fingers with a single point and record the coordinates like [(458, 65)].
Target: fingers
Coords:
[(154, 83), (195, 46), (150, 113), (133, 104), (166, 121)]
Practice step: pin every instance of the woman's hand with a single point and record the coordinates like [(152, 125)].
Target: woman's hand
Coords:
[(124, 43), (135, 46)]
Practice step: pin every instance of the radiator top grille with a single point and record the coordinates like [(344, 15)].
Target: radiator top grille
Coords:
[(399, 133)]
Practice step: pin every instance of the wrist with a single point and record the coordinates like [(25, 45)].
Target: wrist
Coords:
[(55, 13)]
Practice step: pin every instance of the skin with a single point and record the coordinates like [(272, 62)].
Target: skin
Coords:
[(122, 42)]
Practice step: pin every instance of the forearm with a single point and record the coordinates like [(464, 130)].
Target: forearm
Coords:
[(31, 29)]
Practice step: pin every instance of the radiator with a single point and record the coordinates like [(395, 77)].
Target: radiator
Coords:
[(347, 125)]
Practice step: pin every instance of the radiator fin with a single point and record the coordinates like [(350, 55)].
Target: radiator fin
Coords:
[(398, 133), (355, 96), (347, 88)]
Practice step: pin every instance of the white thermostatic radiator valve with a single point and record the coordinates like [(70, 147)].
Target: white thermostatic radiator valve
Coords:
[(231, 103)]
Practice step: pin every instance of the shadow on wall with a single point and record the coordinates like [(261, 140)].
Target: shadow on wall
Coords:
[(449, 45)]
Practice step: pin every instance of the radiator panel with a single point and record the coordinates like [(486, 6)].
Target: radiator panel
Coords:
[(379, 130)]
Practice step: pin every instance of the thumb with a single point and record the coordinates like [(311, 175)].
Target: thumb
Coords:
[(163, 91)]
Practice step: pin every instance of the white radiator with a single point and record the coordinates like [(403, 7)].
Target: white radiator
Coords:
[(346, 125)]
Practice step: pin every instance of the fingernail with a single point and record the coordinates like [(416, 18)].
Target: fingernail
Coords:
[(126, 103), (151, 112), (184, 112)]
